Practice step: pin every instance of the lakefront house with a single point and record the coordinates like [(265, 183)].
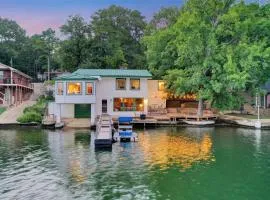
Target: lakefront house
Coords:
[(15, 86), (87, 93)]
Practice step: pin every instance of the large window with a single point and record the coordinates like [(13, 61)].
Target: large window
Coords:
[(89, 88), (128, 104), (74, 88), (60, 88), (134, 84), (120, 83)]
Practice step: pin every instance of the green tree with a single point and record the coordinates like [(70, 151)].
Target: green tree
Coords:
[(33, 58), (215, 51), (73, 50), (164, 18), (12, 40), (121, 29)]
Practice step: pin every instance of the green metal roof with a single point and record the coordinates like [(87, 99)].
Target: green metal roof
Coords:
[(76, 77), (93, 74)]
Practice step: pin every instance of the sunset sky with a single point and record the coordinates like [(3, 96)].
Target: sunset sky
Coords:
[(38, 15)]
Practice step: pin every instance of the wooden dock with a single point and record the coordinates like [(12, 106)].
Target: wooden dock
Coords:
[(170, 120), (104, 132)]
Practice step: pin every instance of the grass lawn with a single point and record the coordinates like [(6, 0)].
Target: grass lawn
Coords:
[(249, 116), (2, 110)]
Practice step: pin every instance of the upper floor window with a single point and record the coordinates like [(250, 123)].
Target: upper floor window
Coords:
[(60, 88), (134, 84), (161, 85), (120, 83), (89, 88), (74, 88)]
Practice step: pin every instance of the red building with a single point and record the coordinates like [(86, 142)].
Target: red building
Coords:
[(15, 86)]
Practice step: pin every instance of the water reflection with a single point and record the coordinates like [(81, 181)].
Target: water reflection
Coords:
[(70, 152), (36, 164), (251, 135), (182, 149)]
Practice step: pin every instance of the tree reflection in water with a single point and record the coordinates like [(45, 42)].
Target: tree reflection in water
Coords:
[(167, 149)]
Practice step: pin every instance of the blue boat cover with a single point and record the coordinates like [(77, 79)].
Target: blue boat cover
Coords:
[(125, 119), (125, 133)]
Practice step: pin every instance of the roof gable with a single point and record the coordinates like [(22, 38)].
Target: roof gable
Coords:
[(5, 67)]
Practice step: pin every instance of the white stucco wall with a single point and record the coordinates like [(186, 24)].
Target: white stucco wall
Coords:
[(106, 89), (103, 89), (67, 110), (51, 108), (63, 110)]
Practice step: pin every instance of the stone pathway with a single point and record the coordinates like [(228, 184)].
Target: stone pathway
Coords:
[(11, 114)]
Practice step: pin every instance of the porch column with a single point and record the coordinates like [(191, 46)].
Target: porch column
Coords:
[(264, 101), (145, 101), (16, 99), (93, 113), (9, 96), (20, 95)]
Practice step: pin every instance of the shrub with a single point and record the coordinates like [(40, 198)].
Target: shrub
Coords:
[(49, 95), (50, 82), (30, 117), (38, 107), (34, 113)]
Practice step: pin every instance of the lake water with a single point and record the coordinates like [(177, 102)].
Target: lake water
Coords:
[(166, 163)]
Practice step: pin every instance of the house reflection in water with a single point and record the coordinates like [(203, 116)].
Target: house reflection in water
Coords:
[(167, 150), (70, 152)]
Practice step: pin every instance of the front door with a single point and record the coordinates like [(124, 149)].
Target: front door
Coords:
[(82, 110), (104, 108)]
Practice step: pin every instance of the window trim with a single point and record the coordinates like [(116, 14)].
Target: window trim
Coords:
[(58, 89), (93, 88), (116, 85), (74, 94), (137, 79)]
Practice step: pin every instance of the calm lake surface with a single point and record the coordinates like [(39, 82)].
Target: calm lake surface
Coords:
[(166, 163)]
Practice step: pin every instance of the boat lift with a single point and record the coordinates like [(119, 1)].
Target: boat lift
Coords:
[(125, 130)]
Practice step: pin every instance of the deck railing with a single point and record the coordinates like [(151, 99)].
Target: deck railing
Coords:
[(16, 81)]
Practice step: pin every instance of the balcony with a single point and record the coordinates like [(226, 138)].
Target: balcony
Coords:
[(16, 82)]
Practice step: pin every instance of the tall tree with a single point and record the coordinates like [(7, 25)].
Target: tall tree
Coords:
[(12, 39), (216, 53), (121, 29), (164, 18), (33, 57), (73, 48)]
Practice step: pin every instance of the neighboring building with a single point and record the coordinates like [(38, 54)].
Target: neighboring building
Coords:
[(15, 86), (53, 74), (87, 93)]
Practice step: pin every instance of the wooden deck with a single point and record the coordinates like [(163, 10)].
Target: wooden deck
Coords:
[(168, 120), (104, 132)]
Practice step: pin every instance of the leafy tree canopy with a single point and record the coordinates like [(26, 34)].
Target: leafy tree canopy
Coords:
[(216, 49)]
